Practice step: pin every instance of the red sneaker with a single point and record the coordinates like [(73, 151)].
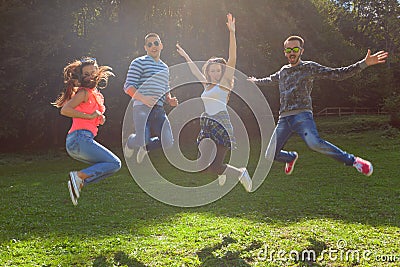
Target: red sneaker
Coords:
[(289, 167), (363, 166)]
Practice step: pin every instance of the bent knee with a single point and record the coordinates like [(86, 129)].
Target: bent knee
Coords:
[(117, 165)]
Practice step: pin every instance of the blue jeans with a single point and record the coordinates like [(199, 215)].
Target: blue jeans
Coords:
[(304, 125), (149, 128), (81, 146)]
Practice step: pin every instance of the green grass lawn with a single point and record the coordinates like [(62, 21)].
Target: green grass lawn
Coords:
[(343, 217)]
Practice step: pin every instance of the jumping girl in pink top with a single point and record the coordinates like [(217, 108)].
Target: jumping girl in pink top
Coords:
[(82, 101)]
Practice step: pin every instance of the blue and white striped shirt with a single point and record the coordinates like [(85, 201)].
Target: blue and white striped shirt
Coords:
[(149, 77)]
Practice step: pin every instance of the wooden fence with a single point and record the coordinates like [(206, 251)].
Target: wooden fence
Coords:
[(341, 111)]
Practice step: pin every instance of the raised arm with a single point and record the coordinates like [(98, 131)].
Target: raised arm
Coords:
[(231, 64), (232, 41), (193, 67)]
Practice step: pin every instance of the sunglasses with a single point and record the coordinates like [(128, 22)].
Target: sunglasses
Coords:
[(155, 43), (288, 50)]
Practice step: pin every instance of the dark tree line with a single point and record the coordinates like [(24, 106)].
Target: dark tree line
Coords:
[(39, 37)]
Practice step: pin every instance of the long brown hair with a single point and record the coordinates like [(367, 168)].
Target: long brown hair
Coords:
[(211, 61), (73, 78)]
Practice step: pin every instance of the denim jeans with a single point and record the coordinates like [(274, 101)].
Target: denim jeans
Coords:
[(81, 146), (149, 128), (304, 125)]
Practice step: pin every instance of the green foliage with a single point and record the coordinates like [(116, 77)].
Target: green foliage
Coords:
[(40, 37)]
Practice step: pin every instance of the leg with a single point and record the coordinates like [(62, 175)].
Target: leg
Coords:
[(142, 134), (81, 146), (281, 135), (226, 170), (304, 125), (206, 154), (160, 128), (218, 166)]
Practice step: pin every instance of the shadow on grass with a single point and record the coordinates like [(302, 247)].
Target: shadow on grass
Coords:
[(120, 259), (312, 253), (207, 257)]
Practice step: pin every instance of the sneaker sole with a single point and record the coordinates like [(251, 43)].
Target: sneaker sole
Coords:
[(247, 185), (73, 183), (371, 171), (72, 194)]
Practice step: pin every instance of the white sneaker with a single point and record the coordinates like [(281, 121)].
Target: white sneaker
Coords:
[(221, 179), (140, 154), (72, 194), (245, 179), (76, 182), (128, 152)]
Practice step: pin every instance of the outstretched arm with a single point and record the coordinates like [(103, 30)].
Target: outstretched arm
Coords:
[(377, 58), (349, 71), (193, 68), (231, 64), (270, 80)]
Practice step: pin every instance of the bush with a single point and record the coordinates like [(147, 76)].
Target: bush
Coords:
[(391, 104)]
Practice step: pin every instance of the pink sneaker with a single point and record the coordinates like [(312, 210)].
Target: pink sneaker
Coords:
[(289, 167), (363, 166)]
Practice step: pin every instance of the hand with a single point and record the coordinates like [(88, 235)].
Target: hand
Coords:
[(377, 58), (252, 79), (102, 119), (231, 22), (95, 115), (181, 52), (172, 101)]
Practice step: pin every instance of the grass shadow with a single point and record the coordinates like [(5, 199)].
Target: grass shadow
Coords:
[(229, 258), (120, 259)]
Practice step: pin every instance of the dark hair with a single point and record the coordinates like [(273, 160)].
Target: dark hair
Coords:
[(295, 38), (152, 34), (73, 78)]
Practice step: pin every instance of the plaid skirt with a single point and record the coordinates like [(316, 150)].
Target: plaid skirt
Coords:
[(218, 128)]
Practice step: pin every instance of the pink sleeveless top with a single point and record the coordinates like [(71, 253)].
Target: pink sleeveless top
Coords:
[(95, 102)]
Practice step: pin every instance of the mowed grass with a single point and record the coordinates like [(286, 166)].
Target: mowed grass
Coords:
[(325, 208)]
